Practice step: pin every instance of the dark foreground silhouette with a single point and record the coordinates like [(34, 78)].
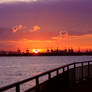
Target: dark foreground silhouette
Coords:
[(74, 77)]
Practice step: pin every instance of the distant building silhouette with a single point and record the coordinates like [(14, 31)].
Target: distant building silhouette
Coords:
[(18, 51), (27, 51)]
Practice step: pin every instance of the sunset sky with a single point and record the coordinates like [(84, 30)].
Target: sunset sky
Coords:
[(43, 24)]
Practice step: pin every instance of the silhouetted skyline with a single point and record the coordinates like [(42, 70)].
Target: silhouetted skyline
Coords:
[(48, 52)]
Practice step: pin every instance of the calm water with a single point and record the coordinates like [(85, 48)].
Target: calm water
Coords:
[(14, 69)]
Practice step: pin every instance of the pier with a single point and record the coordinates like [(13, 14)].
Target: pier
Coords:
[(74, 77)]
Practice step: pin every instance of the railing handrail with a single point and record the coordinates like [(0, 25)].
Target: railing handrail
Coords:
[(38, 75)]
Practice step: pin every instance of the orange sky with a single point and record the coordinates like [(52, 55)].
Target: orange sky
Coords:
[(46, 24), (76, 42)]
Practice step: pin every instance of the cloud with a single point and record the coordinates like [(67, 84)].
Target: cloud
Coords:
[(17, 28), (35, 28), (12, 1), (86, 36), (21, 28), (64, 35), (61, 35)]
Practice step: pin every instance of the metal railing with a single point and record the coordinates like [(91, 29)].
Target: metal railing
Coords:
[(78, 67)]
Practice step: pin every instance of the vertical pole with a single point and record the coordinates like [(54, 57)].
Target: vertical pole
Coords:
[(17, 88), (57, 72), (68, 70), (88, 70), (82, 70), (63, 69), (68, 74), (37, 84), (64, 77), (74, 72), (49, 75)]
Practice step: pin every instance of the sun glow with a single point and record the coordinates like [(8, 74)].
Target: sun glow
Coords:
[(36, 51)]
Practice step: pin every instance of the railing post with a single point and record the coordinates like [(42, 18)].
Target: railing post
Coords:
[(37, 84), (18, 88), (88, 70), (74, 72), (63, 69), (68, 74), (82, 70), (49, 75), (68, 70), (57, 72)]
